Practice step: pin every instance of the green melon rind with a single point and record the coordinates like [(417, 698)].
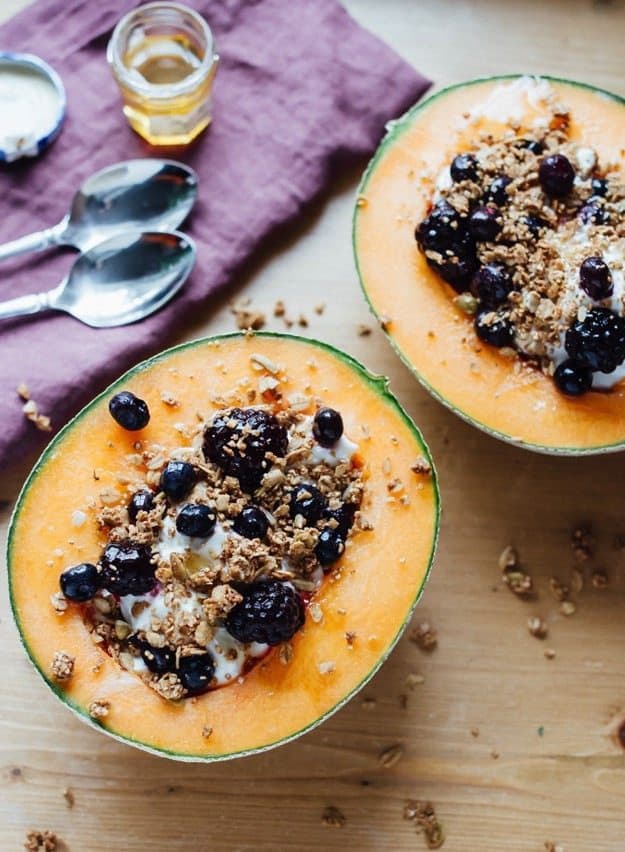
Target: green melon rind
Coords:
[(380, 384), (395, 130)]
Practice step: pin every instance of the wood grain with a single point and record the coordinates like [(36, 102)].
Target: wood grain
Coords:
[(560, 773)]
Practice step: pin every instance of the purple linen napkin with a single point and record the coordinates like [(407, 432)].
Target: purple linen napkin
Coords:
[(301, 90)]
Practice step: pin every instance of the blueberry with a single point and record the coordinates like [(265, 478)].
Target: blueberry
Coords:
[(307, 501), (81, 582), (556, 175), (270, 612), (533, 145), (240, 439), (438, 231), (492, 284), (458, 264), (595, 278), (127, 568), (599, 187), (252, 522), (196, 672), (534, 225), (329, 547), (177, 479), (485, 223), (158, 660), (572, 379), (593, 212), (343, 516), (327, 426), (496, 192), (463, 167), (597, 342), (129, 411), (141, 501), (497, 333), (196, 520)]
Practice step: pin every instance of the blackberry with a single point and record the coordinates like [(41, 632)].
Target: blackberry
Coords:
[(129, 411), (595, 278), (329, 547), (270, 612), (252, 522), (327, 426), (307, 501), (141, 501), (598, 342), (458, 264), (196, 672), (80, 583), (158, 660), (572, 379), (444, 233), (177, 479), (496, 192), (497, 333), (196, 520), (485, 223), (463, 167), (238, 441), (492, 284), (126, 568), (556, 175)]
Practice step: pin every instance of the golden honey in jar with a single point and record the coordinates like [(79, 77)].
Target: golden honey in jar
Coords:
[(163, 58)]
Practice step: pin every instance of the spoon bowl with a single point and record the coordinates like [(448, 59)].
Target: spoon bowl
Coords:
[(120, 281), (144, 194)]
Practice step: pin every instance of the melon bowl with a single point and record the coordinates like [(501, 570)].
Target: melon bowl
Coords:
[(381, 574), (416, 308)]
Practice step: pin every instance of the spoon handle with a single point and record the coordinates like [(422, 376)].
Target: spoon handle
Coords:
[(23, 305), (34, 242)]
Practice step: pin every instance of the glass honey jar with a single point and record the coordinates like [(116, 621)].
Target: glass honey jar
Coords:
[(163, 58)]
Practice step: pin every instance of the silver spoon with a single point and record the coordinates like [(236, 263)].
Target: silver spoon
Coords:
[(149, 195), (120, 281)]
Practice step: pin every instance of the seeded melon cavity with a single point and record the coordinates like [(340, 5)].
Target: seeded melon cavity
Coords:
[(373, 557), (444, 244)]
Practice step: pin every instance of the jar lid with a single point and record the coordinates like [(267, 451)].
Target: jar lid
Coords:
[(32, 105)]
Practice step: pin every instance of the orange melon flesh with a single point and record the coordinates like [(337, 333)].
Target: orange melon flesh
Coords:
[(429, 332), (382, 571)]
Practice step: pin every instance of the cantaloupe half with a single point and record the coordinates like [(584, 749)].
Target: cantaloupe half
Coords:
[(431, 335), (382, 573)]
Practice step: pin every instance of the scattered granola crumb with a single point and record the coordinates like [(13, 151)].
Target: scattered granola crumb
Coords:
[(364, 330), (368, 703), (599, 580), (550, 846), (316, 613), (62, 666), (59, 602), (385, 322), (361, 201), (475, 732), (390, 756), (99, 708), (279, 309), (517, 580), (421, 466), (558, 589), (567, 608), (549, 653), (42, 840), (320, 308), (31, 412), (246, 317), (333, 817), (68, 795), (494, 754), (537, 627), (207, 731), (169, 399), (23, 391), (286, 653), (326, 667), (582, 542), (423, 817), (350, 638), (424, 635), (413, 680), (302, 321)]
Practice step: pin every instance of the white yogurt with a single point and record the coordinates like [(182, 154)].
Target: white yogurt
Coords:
[(342, 451), (209, 549), (29, 108), (509, 103)]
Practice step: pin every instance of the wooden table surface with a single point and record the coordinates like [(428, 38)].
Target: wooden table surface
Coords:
[(513, 749)]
